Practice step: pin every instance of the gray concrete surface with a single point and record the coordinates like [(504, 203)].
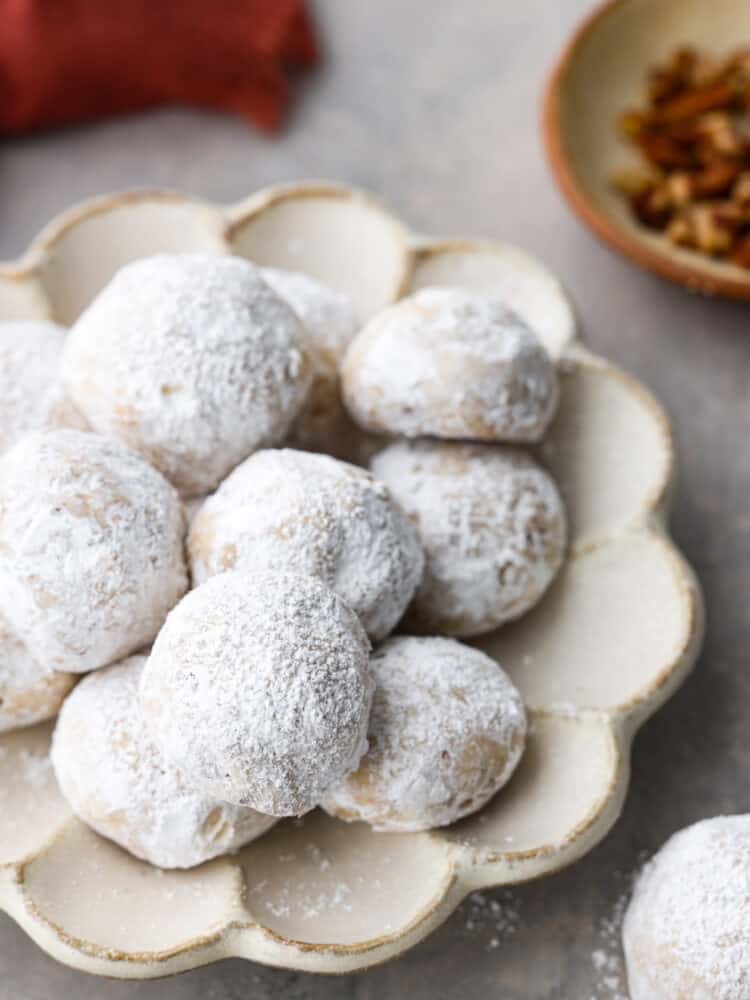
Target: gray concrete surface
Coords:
[(435, 104)]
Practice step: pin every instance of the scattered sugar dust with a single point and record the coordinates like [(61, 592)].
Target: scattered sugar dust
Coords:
[(30, 767), (36, 768), (309, 901), (607, 958), (610, 981), (491, 917), (323, 891)]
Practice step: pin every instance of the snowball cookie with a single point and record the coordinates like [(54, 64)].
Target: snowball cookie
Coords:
[(192, 361), (91, 556), (293, 511), (259, 688), (328, 317), (492, 525), (29, 692), (115, 779), (32, 397), (687, 930), (453, 364), (447, 729)]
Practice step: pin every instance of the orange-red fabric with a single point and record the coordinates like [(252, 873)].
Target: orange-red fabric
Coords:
[(67, 61)]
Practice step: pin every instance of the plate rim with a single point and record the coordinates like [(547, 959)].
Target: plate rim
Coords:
[(465, 870)]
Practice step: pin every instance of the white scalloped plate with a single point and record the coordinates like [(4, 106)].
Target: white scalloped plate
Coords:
[(615, 636)]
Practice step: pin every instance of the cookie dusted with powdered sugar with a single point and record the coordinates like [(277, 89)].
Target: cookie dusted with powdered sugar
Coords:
[(116, 780), (29, 692), (259, 688), (323, 424), (687, 928), (91, 548), (191, 360), (492, 526), (327, 315), (32, 397), (297, 512), (452, 364), (447, 729)]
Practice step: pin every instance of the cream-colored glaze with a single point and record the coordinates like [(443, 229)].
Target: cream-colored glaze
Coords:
[(615, 636), (603, 72)]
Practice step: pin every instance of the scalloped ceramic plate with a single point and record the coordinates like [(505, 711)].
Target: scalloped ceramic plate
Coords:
[(614, 637)]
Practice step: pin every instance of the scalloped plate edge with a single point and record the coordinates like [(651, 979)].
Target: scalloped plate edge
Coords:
[(466, 871)]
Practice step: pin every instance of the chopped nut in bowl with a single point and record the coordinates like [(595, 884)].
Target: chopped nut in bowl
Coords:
[(647, 125), (694, 138)]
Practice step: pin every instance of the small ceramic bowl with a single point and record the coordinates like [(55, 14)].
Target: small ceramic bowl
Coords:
[(600, 73)]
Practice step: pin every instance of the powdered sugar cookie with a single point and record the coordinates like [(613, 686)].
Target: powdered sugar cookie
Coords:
[(452, 364), (293, 511), (115, 779), (492, 526), (32, 397), (447, 729), (192, 361), (327, 315), (91, 555), (29, 692), (323, 424), (687, 928), (259, 688)]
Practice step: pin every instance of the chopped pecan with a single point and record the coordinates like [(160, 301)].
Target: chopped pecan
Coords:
[(741, 190), (632, 181), (666, 81), (717, 129), (741, 252), (651, 209), (663, 150), (729, 215), (715, 178), (698, 101), (710, 236), (680, 232), (680, 187), (694, 138)]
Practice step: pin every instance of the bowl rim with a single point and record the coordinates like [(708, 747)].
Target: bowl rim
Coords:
[(691, 276)]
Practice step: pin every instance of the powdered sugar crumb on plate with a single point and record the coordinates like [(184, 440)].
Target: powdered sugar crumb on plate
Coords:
[(36, 768), (492, 917), (607, 958), (308, 898)]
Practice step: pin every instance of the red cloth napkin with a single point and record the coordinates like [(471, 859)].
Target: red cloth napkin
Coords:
[(74, 60)]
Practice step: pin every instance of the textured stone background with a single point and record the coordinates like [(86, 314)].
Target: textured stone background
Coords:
[(434, 104)]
